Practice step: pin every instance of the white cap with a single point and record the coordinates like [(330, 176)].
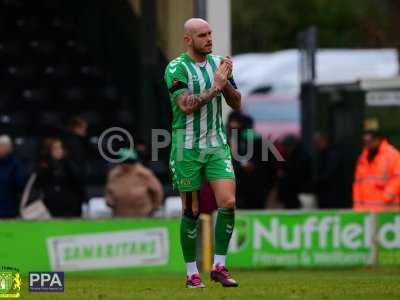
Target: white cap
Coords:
[(5, 140)]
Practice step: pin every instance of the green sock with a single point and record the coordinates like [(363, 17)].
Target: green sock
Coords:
[(223, 229), (189, 238)]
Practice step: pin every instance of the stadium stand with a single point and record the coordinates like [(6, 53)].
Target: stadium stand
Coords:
[(46, 77)]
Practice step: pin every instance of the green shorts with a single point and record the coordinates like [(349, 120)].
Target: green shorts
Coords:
[(190, 167)]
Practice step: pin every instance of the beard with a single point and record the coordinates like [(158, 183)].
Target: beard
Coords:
[(201, 50)]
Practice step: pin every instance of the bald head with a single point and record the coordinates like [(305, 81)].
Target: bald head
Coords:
[(194, 24), (198, 36), (5, 145)]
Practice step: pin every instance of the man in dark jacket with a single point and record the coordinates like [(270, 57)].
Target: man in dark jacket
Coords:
[(253, 175), (294, 174), (329, 178), (11, 179), (76, 142)]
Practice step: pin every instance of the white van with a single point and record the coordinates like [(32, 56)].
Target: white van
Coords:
[(270, 83)]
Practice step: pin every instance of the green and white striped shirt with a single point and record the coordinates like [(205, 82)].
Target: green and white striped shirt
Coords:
[(203, 128)]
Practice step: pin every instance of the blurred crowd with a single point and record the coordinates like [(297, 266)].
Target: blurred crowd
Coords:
[(56, 186), (278, 175), (319, 179)]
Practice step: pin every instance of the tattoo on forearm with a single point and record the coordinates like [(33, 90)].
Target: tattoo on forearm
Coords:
[(196, 101)]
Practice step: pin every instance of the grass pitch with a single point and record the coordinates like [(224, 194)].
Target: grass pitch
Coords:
[(360, 284)]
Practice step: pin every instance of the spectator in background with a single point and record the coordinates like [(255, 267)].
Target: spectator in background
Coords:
[(76, 142), (328, 182), (294, 174), (235, 125), (60, 181), (377, 177), (132, 190), (12, 179), (157, 166), (252, 176)]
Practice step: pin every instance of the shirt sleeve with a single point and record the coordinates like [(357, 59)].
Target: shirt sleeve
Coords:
[(176, 79), (232, 81)]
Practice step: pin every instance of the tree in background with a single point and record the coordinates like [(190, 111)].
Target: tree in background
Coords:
[(262, 26)]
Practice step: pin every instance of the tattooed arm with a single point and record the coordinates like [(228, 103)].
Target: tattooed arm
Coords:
[(190, 103)]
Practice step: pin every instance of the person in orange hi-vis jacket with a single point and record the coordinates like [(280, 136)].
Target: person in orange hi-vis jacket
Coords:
[(377, 178)]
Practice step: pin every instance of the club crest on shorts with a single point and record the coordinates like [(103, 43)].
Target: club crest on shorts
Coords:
[(186, 182)]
